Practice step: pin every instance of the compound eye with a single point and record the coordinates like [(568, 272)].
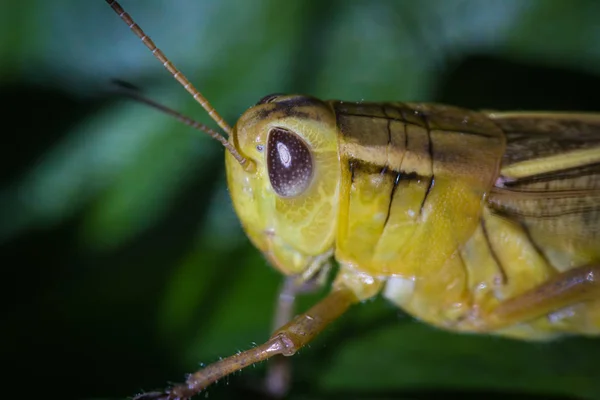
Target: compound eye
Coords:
[(289, 163)]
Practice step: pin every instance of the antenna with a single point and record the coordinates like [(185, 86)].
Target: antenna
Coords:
[(133, 92), (187, 85)]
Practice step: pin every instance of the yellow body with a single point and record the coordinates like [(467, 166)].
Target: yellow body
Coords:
[(447, 212)]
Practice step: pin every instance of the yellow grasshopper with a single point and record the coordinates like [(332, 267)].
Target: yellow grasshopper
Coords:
[(481, 222)]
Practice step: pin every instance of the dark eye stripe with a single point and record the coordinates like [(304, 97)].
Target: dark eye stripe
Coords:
[(268, 98), (289, 163)]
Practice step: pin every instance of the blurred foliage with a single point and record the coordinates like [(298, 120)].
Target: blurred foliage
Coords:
[(123, 263)]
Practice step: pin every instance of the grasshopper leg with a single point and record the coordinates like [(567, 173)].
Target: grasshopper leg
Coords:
[(568, 288), (279, 370), (287, 340)]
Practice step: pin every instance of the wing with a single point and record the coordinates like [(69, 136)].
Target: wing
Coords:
[(550, 182)]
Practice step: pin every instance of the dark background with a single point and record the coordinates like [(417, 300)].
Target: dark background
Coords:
[(123, 265)]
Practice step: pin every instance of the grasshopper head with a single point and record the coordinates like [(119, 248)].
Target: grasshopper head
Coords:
[(287, 200)]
